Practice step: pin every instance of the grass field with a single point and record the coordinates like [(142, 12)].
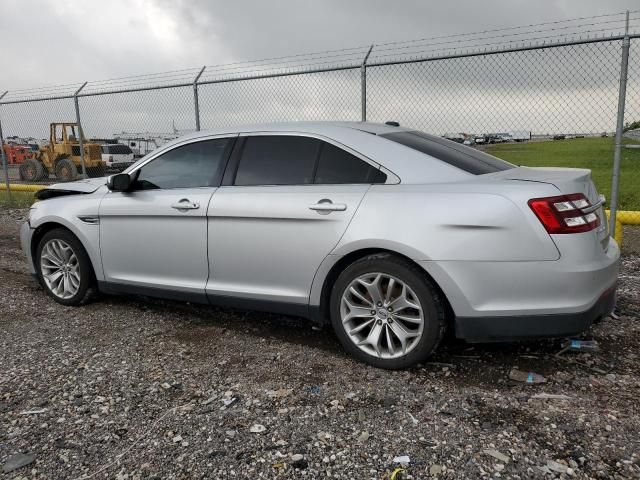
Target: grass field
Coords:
[(17, 200), (595, 154)]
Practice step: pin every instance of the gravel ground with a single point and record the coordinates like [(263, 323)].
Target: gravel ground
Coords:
[(132, 388)]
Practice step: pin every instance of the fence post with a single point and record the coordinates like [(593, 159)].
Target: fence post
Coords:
[(195, 97), (5, 164), (622, 94), (80, 132), (363, 84)]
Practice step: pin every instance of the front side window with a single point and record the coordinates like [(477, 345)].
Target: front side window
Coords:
[(197, 164)]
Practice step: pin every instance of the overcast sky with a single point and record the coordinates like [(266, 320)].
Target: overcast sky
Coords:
[(49, 42), (56, 41)]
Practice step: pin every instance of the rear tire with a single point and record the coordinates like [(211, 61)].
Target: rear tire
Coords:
[(31, 170), (64, 269), (66, 170), (392, 299)]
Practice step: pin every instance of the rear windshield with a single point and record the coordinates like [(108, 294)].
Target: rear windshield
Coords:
[(116, 149), (460, 156)]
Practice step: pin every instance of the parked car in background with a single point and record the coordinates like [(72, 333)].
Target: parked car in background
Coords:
[(116, 156), (479, 140), (390, 235)]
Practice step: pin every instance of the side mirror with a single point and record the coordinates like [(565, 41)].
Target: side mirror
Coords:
[(120, 182)]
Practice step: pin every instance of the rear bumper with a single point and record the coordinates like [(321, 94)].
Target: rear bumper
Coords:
[(503, 328), (512, 300)]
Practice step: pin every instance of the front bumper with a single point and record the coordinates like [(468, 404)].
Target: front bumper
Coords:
[(26, 233), (505, 328)]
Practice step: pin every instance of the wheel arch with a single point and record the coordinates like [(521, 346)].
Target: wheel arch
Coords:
[(43, 228), (319, 311)]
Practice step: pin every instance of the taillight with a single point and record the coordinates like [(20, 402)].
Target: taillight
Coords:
[(565, 213)]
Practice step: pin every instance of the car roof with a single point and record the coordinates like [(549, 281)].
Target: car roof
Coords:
[(316, 127)]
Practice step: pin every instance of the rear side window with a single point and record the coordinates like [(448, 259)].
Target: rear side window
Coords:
[(277, 160), (460, 156), (197, 164), (299, 160), (336, 165)]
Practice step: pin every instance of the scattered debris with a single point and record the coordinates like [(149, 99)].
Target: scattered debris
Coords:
[(526, 377), (497, 455), (281, 393), (17, 461), (257, 428), (397, 474), (402, 459), (551, 396), (33, 412), (556, 466), (435, 470), (298, 461), (575, 345)]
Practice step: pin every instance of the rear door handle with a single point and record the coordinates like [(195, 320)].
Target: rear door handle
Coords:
[(326, 206), (186, 204)]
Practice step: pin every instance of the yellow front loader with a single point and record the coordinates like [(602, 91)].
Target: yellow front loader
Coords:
[(61, 157)]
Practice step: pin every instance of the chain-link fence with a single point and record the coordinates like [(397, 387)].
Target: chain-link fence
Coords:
[(566, 95)]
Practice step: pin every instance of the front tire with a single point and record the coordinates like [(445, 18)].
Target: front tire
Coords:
[(64, 268), (386, 312)]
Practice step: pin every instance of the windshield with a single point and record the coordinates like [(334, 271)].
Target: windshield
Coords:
[(460, 156)]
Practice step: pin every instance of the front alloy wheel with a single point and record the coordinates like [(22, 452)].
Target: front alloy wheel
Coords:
[(60, 269), (64, 268)]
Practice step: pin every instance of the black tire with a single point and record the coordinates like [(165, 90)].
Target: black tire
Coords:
[(66, 170), (86, 289), (31, 170), (417, 280)]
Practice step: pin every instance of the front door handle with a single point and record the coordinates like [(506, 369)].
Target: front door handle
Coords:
[(186, 204), (326, 206)]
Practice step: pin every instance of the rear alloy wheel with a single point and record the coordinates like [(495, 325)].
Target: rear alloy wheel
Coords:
[(386, 312), (31, 170), (66, 170), (64, 269)]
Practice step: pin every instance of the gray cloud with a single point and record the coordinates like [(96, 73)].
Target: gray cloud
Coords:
[(561, 90)]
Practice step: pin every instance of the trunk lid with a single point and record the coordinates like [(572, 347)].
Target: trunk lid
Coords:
[(567, 181)]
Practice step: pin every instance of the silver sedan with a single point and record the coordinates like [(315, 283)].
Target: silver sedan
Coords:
[(391, 235)]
